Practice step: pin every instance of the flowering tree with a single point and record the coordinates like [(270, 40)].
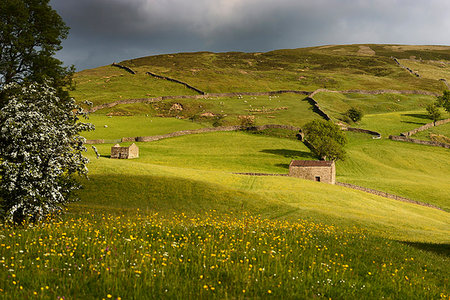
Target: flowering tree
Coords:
[(40, 152)]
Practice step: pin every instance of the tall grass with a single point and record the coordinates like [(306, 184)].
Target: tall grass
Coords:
[(211, 256)]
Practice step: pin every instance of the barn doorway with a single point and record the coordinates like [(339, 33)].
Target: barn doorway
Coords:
[(317, 178)]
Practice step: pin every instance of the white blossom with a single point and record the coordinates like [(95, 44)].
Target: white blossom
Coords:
[(40, 151)]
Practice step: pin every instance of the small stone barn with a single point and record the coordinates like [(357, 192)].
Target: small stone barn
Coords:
[(125, 152), (316, 170)]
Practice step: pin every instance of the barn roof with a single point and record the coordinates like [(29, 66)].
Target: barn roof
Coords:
[(311, 163)]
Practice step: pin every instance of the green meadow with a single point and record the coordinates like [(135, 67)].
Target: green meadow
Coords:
[(177, 222)]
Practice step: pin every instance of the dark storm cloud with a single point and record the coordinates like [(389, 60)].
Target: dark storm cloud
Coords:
[(103, 31)]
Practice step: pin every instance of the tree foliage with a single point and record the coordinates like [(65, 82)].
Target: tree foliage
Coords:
[(30, 34), (354, 114), (327, 141), (444, 101), (433, 112), (41, 152)]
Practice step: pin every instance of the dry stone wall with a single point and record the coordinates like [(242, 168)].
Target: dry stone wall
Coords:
[(416, 141), (445, 82), (196, 131), (261, 174), (177, 81), (385, 195), (425, 127), (317, 108), (129, 70), (270, 93), (406, 68), (206, 96)]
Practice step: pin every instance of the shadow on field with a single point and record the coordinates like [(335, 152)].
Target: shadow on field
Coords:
[(441, 249), (419, 116), (284, 166), (289, 153)]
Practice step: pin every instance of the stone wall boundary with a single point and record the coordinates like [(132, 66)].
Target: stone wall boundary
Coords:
[(206, 96), (360, 130), (177, 81), (129, 70), (416, 141), (425, 127), (406, 68), (270, 93), (386, 195), (445, 82), (317, 109), (377, 92), (261, 174), (153, 138)]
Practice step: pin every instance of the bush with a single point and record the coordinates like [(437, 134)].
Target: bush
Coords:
[(354, 114), (246, 121)]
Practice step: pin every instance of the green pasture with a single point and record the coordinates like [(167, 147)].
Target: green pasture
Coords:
[(394, 123), (414, 171), (429, 69), (286, 109), (440, 130), (194, 172), (305, 69), (118, 127), (108, 84), (336, 104)]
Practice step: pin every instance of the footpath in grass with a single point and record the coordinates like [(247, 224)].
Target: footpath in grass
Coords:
[(94, 255)]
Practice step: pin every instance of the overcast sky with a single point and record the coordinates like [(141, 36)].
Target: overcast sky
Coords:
[(104, 31)]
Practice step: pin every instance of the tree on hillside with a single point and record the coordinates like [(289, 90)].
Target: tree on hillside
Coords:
[(41, 152), (326, 140), (354, 114), (30, 34), (433, 112), (444, 101)]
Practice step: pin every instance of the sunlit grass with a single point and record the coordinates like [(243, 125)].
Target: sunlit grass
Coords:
[(211, 255)]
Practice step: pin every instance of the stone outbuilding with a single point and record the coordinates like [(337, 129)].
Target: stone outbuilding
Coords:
[(316, 170), (125, 152)]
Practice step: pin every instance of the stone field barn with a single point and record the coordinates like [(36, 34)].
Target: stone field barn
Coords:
[(316, 170), (125, 152)]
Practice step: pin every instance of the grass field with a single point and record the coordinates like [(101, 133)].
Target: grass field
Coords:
[(400, 168), (216, 256), (177, 223), (118, 127), (429, 69), (438, 130), (108, 84), (336, 104)]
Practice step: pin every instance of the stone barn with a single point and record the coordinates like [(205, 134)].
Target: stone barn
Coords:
[(316, 170), (125, 152)]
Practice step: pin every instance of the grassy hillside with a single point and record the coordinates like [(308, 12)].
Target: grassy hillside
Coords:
[(108, 84), (336, 104), (177, 223), (336, 67)]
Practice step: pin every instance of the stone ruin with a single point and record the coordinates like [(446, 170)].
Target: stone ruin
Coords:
[(119, 152)]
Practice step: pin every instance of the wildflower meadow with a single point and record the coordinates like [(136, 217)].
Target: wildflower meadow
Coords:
[(210, 255)]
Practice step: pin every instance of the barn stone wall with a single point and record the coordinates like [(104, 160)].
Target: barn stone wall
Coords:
[(326, 174)]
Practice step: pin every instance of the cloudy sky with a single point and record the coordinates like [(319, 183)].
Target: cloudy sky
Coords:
[(104, 31)]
